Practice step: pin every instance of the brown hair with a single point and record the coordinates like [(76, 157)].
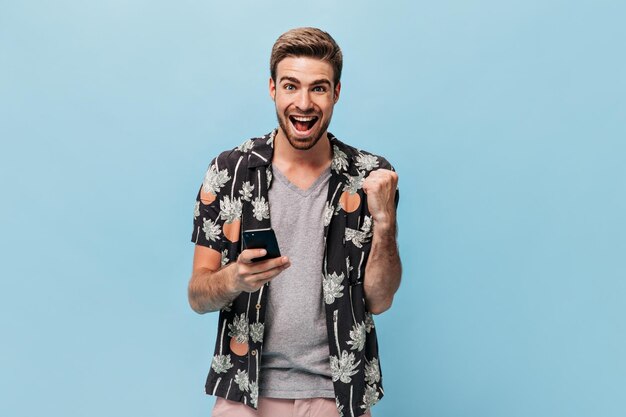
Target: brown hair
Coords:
[(309, 42)]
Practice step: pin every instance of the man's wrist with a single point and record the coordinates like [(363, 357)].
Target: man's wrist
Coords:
[(385, 224), (230, 274)]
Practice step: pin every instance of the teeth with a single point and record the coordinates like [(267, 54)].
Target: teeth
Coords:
[(303, 119)]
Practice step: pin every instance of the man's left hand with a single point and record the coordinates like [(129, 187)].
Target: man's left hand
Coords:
[(380, 187)]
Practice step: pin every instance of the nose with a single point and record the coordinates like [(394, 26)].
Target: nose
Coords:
[(303, 101)]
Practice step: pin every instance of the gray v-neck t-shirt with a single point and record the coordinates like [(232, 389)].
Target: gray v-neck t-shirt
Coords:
[(295, 359)]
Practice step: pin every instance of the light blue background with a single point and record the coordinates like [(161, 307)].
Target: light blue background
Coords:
[(504, 119)]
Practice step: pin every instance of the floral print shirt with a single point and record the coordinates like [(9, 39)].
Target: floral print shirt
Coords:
[(234, 197)]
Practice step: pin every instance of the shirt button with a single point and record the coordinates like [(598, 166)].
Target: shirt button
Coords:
[(253, 352), (258, 306)]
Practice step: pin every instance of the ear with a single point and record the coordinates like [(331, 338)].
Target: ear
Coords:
[(272, 89), (337, 91)]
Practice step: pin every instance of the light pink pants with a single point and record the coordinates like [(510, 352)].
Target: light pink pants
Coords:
[(275, 407)]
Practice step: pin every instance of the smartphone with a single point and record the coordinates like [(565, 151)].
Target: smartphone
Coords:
[(261, 239)]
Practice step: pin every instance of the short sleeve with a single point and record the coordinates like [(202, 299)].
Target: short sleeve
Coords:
[(360, 227), (207, 220)]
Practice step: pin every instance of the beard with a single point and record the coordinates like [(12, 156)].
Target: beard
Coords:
[(306, 143)]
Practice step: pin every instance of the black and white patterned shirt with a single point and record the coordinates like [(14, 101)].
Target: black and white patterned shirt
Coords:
[(234, 197)]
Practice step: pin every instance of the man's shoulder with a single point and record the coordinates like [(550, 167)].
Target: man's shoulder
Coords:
[(230, 158), (358, 158)]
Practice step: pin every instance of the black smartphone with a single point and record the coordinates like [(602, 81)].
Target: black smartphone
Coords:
[(261, 239)]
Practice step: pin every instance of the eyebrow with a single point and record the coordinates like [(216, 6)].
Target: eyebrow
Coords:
[(296, 81)]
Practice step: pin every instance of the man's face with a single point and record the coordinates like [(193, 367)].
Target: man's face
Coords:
[(304, 95)]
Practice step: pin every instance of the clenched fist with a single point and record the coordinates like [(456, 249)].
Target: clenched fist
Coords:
[(380, 187)]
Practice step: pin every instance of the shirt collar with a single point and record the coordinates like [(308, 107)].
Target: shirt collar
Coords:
[(263, 149)]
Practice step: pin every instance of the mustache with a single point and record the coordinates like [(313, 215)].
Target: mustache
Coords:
[(310, 112)]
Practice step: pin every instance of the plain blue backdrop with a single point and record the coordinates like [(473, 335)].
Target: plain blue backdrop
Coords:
[(505, 121)]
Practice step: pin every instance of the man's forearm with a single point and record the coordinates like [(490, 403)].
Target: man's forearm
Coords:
[(211, 290), (383, 269)]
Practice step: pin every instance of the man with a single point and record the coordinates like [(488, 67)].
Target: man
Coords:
[(296, 335)]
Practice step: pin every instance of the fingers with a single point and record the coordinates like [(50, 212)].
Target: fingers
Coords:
[(380, 179), (266, 265), (266, 276), (250, 276), (248, 255), (252, 282)]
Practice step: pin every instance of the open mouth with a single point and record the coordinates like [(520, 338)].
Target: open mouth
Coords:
[(303, 124)]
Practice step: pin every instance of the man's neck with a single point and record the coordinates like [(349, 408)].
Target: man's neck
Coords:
[(287, 158), (301, 167)]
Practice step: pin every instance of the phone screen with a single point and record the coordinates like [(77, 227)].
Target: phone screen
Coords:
[(261, 239)]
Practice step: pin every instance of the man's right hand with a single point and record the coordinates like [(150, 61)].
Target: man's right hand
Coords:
[(249, 276)]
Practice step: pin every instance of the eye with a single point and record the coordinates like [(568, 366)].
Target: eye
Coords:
[(319, 89), (289, 87)]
